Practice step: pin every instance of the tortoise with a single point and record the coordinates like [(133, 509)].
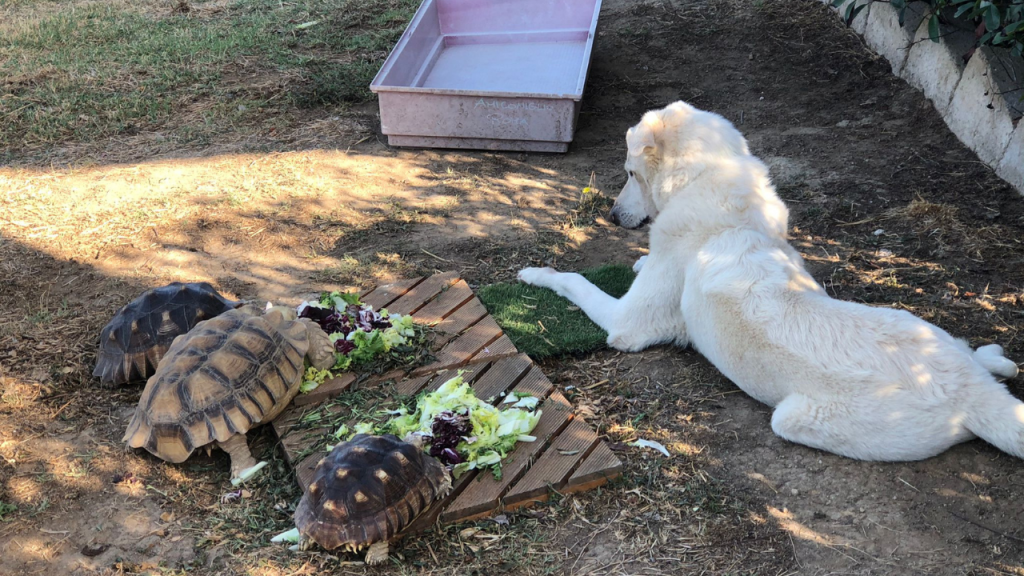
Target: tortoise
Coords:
[(227, 375), (366, 491), (138, 336)]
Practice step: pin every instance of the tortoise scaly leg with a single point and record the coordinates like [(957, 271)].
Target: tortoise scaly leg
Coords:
[(243, 465), (377, 553)]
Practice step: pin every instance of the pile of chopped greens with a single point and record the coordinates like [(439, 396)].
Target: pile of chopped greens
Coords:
[(465, 431), (364, 339)]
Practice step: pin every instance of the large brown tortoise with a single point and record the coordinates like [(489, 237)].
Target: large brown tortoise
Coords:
[(229, 374), (138, 336), (366, 491)]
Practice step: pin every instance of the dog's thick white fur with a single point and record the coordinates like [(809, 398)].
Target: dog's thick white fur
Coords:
[(863, 382)]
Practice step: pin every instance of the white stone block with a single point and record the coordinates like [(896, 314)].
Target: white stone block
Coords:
[(1011, 167), (884, 34), (978, 113), (1008, 75), (934, 68)]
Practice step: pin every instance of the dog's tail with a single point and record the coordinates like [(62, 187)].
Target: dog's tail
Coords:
[(994, 415)]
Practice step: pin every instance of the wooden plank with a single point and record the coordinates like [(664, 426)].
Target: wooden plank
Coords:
[(304, 470), (499, 348), (425, 291), (601, 466), (328, 389), (295, 440), (284, 422), (293, 444), (388, 293), (553, 467), (465, 316), (410, 386), (535, 383), (469, 376), (502, 376), (460, 350), (483, 496), (445, 303)]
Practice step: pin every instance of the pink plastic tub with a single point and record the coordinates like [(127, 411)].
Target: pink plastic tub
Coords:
[(488, 74)]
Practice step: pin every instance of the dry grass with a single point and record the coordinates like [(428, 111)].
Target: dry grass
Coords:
[(278, 200)]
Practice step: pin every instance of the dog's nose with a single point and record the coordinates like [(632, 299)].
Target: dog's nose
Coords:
[(614, 217)]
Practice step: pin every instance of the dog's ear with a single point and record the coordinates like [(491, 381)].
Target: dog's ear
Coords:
[(641, 139)]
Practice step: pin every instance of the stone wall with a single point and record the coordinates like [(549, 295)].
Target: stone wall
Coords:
[(980, 100)]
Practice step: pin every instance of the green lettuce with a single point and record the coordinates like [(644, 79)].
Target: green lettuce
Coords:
[(313, 378), (494, 432)]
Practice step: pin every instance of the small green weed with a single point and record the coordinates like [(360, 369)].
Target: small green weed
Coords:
[(591, 204), (6, 510)]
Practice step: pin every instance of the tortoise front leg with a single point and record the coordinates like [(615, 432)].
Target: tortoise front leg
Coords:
[(377, 553), (243, 465)]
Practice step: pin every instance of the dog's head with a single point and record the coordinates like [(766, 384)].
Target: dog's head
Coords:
[(665, 150)]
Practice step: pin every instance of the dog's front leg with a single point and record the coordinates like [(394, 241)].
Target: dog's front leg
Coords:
[(649, 313), (598, 306)]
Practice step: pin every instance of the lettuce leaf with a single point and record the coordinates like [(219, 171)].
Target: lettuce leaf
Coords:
[(313, 378)]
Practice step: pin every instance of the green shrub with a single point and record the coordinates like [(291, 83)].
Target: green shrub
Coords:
[(1003, 19)]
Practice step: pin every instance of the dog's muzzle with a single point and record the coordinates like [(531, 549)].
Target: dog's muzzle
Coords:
[(627, 221)]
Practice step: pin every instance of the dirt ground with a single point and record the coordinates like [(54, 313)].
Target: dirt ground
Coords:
[(887, 207)]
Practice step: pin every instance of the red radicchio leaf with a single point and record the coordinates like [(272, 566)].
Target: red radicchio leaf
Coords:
[(447, 430), (344, 346), (330, 321)]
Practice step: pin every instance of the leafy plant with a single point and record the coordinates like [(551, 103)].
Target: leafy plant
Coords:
[(1001, 22), (6, 509), (851, 10)]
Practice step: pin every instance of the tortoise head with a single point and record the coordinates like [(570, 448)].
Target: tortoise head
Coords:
[(321, 348), (417, 439), (286, 314), (250, 309)]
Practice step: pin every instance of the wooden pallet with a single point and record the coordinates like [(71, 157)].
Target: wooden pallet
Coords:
[(567, 456)]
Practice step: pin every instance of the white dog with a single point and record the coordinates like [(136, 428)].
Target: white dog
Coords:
[(863, 382)]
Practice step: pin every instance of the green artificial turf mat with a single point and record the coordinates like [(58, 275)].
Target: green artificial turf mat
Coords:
[(541, 323)]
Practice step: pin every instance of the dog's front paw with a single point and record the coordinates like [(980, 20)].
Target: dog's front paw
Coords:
[(537, 276), (639, 264)]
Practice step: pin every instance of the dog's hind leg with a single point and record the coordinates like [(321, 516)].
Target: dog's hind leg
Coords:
[(991, 357), (887, 431)]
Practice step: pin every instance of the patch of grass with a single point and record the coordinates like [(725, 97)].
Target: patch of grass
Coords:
[(99, 70), (6, 509), (541, 323)]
